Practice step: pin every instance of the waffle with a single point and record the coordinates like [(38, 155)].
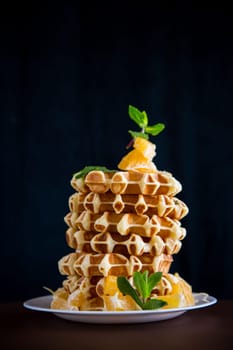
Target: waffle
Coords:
[(87, 284), (88, 264), (79, 185), (106, 242), (126, 224), (70, 240), (133, 182), (161, 205), (71, 218), (99, 180), (71, 283), (66, 263)]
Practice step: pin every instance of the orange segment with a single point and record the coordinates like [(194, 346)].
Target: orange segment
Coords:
[(185, 288), (140, 158), (110, 285), (114, 300), (173, 300), (145, 147), (59, 299), (75, 300), (180, 294), (119, 302), (135, 160)]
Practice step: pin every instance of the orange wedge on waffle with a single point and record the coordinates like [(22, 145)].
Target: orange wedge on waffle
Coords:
[(140, 158), (145, 147)]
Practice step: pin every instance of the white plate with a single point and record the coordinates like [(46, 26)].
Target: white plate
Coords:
[(42, 304)]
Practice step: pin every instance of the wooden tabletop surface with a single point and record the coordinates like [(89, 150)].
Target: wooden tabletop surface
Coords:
[(208, 328)]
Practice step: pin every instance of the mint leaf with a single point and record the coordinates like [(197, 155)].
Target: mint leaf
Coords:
[(153, 279), (152, 304), (155, 129), (145, 118), (140, 118), (87, 169), (144, 284), (126, 288), (138, 134), (140, 284)]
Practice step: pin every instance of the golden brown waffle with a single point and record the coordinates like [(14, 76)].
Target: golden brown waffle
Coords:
[(88, 265), (76, 202), (71, 283), (106, 242), (87, 284), (66, 263), (117, 264), (70, 240), (161, 205), (133, 182), (79, 185), (126, 224), (71, 218)]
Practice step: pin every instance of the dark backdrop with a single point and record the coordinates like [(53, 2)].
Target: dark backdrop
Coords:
[(68, 73)]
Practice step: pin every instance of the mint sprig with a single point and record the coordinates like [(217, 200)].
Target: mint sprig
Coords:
[(141, 119), (138, 134), (144, 284), (87, 169)]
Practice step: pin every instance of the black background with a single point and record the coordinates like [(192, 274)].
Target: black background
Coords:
[(69, 70)]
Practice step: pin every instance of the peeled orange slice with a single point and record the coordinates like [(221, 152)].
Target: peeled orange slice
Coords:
[(110, 285), (119, 302), (140, 158), (59, 299), (181, 287), (114, 300), (135, 160), (145, 147), (173, 300), (75, 300)]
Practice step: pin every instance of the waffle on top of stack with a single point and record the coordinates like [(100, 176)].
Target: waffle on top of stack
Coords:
[(121, 222)]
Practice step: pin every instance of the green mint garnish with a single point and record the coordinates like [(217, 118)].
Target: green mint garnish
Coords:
[(144, 284), (138, 134), (87, 169), (126, 288), (141, 119), (155, 129)]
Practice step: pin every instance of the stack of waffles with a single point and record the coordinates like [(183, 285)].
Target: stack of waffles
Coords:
[(121, 222)]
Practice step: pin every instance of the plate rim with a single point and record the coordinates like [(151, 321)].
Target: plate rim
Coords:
[(207, 300)]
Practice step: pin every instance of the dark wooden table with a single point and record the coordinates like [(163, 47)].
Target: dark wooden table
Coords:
[(208, 328)]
